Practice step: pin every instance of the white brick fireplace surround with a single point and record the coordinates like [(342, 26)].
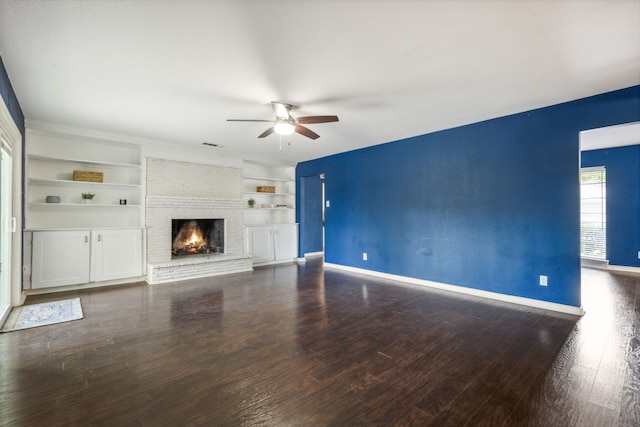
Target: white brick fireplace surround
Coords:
[(179, 190)]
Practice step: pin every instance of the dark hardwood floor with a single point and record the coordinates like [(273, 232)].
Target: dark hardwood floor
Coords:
[(296, 345)]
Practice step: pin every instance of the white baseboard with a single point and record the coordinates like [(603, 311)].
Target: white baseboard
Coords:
[(310, 255), (601, 264), (605, 266), (313, 254), (282, 261), (623, 269), (530, 302), (90, 285)]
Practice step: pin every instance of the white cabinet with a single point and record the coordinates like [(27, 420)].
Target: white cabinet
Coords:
[(271, 231), (72, 242), (272, 243), (73, 257), (285, 241), (60, 258), (116, 254), (260, 243)]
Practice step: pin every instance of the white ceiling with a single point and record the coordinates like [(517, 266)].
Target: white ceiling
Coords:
[(390, 69)]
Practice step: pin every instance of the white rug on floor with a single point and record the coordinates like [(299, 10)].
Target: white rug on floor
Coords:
[(46, 313)]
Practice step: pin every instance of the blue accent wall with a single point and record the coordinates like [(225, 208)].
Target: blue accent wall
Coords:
[(623, 201), (491, 205), (10, 99)]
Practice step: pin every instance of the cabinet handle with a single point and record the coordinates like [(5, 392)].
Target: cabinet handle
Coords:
[(13, 225), (99, 237), (86, 239)]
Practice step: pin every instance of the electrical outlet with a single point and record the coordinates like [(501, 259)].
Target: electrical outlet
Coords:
[(364, 256), (328, 203), (543, 280), (638, 254)]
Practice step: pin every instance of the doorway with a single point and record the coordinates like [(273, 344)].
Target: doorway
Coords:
[(7, 226), (10, 213), (312, 215)]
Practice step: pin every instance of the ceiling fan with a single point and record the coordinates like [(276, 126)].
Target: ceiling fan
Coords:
[(286, 124)]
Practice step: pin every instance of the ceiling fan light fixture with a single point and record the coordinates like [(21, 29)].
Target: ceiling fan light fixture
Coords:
[(284, 128), (285, 124)]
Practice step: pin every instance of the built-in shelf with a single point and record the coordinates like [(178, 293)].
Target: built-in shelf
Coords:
[(58, 182), (269, 209), (261, 178), (83, 205), (51, 161), (258, 193), (84, 162), (282, 177), (82, 228)]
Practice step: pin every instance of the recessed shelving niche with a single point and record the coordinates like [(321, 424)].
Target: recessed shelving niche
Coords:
[(51, 159), (270, 208)]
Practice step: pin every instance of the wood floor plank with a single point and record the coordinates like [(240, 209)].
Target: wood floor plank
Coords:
[(608, 385), (630, 404), (630, 415), (492, 413), (297, 345)]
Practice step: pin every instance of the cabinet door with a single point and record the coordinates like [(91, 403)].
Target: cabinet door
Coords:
[(260, 243), (116, 254), (285, 241), (60, 258)]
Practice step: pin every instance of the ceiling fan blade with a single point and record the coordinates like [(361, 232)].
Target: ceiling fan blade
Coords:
[(306, 132), (249, 120), (281, 109), (267, 132), (317, 119)]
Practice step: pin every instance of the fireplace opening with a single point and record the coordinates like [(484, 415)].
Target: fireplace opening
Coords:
[(196, 237)]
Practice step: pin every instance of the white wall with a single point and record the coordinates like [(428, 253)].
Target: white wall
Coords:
[(153, 148), (190, 190), (169, 178)]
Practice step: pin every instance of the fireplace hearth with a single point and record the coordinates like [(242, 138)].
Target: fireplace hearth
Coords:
[(196, 237)]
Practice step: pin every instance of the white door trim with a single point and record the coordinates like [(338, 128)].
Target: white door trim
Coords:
[(10, 129)]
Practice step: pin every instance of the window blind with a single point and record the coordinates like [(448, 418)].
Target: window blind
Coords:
[(593, 213)]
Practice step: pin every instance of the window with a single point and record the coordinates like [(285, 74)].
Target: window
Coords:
[(593, 212)]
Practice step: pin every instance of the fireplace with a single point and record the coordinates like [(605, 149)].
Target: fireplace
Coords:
[(196, 237)]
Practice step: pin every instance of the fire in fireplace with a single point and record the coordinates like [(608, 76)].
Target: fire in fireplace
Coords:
[(196, 237)]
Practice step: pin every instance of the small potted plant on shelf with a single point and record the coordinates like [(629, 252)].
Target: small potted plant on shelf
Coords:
[(86, 198), (251, 202)]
